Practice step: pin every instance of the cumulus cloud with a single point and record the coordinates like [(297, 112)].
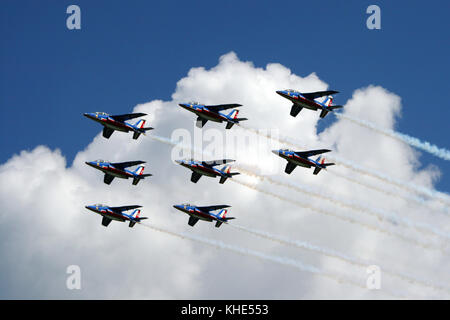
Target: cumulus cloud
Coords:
[(45, 227)]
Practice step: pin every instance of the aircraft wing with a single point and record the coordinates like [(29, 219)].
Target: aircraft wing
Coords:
[(200, 122), (106, 221), (213, 163), (311, 152), (220, 107), (289, 167), (128, 116), (211, 208), (108, 178), (124, 208), (318, 94), (192, 221), (195, 177), (127, 164), (107, 132)]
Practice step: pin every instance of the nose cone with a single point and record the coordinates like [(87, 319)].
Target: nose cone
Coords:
[(184, 105), (277, 152), (281, 92), (91, 163), (177, 206), (179, 161), (90, 115), (89, 208)]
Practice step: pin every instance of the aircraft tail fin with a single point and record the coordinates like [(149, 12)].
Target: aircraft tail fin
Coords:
[(136, 213), (234, 119), (226, 169), (139, 174), (140, 124), (233, 114), (328, 106), (139, 170), (223, 216), (136, 218), (323, 165), (140, 129), (328, 101)]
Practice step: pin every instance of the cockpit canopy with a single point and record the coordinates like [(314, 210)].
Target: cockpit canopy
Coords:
[(102, 113), (186, 205), (194, 103), (292, 91), (100, 160), (99, 205)]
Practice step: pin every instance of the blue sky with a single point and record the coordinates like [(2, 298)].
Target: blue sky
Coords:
[(131, 52)]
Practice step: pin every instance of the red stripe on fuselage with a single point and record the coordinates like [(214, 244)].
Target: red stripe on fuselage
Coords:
[(302, 160), (211, 114)]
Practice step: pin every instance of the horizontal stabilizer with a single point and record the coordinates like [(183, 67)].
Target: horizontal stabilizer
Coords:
[(136, 179), (323, 113), (136, 220), (136, 134), (229, 125)]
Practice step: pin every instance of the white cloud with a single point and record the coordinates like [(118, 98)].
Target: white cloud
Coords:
[(44, 226)]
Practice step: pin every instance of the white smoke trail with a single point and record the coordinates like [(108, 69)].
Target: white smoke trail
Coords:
[(308, 206), (393, 218), (344, 217), (440, 196), (266, 257), (337, 255), (408, 197), (415, 142)]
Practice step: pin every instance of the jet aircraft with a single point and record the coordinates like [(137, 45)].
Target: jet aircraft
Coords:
[(206, 168), (117, 122), (117, 213), (308, 101), (301, 158), (118, 170), (212, 112), (205, 213)]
